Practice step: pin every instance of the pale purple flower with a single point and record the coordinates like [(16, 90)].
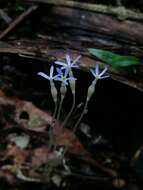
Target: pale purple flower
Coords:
[(63, 76), (50, 77), (99, 74), (69, 64)]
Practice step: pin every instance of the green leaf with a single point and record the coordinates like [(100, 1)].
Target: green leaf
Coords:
[(113, 59)]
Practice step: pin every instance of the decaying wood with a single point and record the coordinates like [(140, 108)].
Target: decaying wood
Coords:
[(120, 11), (46, 55), (73, 27), (82, 24)]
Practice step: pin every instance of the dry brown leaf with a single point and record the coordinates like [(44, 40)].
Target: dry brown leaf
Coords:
[(7, 175), (40, 156), (36, 120), (17, 154), (67, 138)]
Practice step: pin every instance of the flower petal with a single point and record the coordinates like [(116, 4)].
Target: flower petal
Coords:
[(55, 77), (68, 59), (51, 71), (72, 78), (76, 61), (61, 63), (103, 77), (97, 69), (104, 71), (44, 75), (60, 73), (93, 72), (66, 72)]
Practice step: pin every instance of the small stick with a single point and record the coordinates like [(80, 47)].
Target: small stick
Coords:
[(70, 112), (17, 21)]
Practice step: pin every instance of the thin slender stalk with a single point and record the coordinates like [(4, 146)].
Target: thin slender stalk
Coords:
[(55, 110), (58, 116), (77, 123), (60, 107), (90, 92), (72, 85), (55, 98), (63, 91), (81, 116), (77, 107), (52, 125), (70, 112)]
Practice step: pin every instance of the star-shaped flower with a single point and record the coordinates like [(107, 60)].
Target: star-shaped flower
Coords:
[(69, 64), (99, 75), (63, 76), (50, 77)]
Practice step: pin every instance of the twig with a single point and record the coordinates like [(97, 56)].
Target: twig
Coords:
[(120, 12), (16, 51), (18, 20)]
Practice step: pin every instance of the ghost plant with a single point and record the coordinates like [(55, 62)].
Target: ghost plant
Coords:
[(66, 77)]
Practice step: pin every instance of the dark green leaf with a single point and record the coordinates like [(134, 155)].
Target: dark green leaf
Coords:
[(114, 59)]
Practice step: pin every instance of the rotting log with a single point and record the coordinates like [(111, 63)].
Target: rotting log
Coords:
[(119, 11), (73, 27)]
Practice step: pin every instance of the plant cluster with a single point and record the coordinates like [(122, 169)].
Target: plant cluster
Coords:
[(64, 74)]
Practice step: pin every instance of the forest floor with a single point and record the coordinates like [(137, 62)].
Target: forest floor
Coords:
[(106, 151)]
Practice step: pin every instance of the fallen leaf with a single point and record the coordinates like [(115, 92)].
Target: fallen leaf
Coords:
[(40, 156), (36, 119), (15, 153)]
